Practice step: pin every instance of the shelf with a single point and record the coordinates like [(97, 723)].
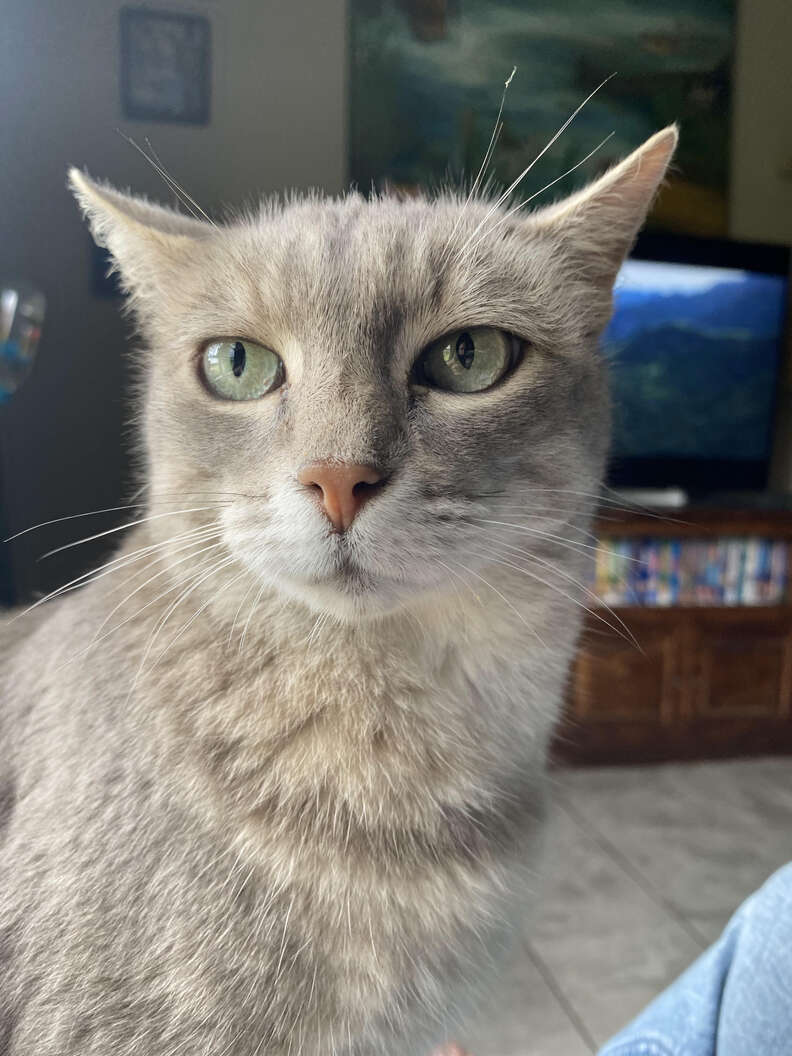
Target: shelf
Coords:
[(773, 612), (700, 522)]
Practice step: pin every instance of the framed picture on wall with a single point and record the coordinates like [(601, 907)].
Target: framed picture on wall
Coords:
[(165, 66), (427, 77)]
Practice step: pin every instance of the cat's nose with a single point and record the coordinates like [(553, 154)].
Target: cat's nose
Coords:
[(344, 488)]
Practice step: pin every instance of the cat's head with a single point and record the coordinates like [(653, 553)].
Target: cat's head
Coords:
[(368, 386)]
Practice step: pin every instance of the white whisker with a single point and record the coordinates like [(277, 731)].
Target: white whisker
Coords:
[(253, 608), (500, 595), (134, 615), (496, 131), (622, 629), (122, 527), (515, 183), (116, 509), (157, 575), (577, 547), (195, 583), (109, 567), (515, 209), (198, 612)]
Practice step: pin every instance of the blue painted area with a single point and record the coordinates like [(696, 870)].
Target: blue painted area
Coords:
[(694, 354)]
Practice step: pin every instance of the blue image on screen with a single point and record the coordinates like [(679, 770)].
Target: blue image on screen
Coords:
[(694, 355)]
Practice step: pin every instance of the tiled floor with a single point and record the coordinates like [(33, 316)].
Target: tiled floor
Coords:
[(643, 867)]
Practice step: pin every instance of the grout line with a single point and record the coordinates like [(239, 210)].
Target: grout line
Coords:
[(558, 992), (635, 874)]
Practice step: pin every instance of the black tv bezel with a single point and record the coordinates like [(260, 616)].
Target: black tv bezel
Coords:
[(702, 475)]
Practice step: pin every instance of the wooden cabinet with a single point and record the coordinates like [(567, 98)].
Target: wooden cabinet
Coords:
[(694, 682)]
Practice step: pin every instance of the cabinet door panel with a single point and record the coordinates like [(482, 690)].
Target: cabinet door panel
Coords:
[(614, 681), (740, 667)]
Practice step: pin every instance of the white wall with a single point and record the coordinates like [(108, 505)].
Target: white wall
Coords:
[(278, 119)]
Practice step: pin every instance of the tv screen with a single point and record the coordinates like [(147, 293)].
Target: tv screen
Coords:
[(694, 347)]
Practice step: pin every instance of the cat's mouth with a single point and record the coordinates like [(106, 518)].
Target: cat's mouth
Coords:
[(348, 576), (342, 572)]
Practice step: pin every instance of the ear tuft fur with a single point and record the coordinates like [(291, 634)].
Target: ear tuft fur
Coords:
[(105, 207), (145, 240), (598, 224)]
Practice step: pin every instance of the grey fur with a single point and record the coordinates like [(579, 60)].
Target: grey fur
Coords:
[(311, 837)]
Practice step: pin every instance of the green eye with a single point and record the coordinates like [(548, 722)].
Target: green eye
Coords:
[(241, 370), (467, 360)]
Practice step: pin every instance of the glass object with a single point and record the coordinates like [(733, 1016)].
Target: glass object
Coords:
[(22, 309)]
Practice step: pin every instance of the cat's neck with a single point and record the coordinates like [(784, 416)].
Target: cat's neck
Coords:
[(271, 702)]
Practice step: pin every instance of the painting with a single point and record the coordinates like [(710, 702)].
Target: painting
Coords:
[(427, 78), (165, 66)]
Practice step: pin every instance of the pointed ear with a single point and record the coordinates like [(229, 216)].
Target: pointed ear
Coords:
[(596, 227), (147, 241)]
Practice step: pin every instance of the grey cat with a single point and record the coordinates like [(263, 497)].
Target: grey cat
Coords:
[(272, 779)]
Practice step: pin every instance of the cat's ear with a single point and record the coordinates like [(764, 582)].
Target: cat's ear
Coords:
[(596, 227), (146, 241)]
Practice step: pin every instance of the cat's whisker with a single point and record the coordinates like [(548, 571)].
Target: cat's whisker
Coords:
[(515, 209), (197, 613), (95, 641), (123, 527), (187, 200), (75, 516), (534, 511), (106, 568), (536, 517), (176, 186), (595, 598), (245, 596), (496, 131), (253, 608), (516, 182), (169, 568), (119, 564), (196, 582), (309, 639), (574, 545), (617, 504), (530, 556), (503, 598), (621, 629)]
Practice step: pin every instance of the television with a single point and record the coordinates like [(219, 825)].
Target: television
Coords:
[(695, 345)]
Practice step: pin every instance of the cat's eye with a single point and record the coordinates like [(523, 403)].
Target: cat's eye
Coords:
[(467, 360), (238, 369)]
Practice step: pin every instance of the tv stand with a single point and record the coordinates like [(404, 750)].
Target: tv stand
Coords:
[(708, 681)]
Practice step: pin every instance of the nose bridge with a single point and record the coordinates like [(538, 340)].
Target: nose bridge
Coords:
[(348, 420)]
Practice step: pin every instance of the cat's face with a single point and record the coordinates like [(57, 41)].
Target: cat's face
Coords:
[(328, 308)]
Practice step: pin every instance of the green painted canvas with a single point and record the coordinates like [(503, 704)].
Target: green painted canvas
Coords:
[(427, 77)]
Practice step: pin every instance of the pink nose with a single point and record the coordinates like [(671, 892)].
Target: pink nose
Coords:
[(344, 488)]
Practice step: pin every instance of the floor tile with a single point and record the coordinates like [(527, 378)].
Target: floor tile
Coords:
[(528, 1020), (709, 925), (608, 944), (703, 836), (643, 867)]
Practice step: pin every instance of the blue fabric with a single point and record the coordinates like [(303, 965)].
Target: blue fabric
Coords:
[(736, 999)]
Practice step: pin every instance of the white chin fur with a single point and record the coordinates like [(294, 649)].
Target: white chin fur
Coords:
[(347, 603)]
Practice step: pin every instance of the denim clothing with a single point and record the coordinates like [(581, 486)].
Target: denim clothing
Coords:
[(736, 999)]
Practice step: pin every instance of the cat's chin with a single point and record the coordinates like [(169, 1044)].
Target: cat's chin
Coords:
[(351, 599)]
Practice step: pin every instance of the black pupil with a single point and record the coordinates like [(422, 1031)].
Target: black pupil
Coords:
[(238, 359), (465, 350)]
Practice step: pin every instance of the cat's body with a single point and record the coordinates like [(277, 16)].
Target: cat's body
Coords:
[(362, 886), (284, 797)]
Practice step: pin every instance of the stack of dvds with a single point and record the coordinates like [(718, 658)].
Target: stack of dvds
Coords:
[(726, 571)]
